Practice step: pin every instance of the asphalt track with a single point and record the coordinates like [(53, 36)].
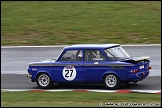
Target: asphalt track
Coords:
[(14, 63), (20, 81)]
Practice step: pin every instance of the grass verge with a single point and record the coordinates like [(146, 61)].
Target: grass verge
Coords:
[(72, 98), (76, 22)]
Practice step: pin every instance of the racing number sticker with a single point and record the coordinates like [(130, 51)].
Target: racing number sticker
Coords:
[(69, 73)]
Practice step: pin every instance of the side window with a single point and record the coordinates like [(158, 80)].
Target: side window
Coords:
[(72, 55), (94, 55)]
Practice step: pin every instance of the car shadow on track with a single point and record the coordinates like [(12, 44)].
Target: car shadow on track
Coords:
[(151, 83), (96, 86)]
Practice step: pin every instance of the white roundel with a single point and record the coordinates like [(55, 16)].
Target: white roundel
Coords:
[(69, 73)]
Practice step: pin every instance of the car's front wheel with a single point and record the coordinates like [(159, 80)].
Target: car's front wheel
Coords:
[(44, 80), (111, 81)]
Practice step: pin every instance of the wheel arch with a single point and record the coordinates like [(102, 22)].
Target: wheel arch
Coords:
[(48, 73)]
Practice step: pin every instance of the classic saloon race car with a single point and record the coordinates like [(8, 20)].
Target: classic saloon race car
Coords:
[(106, 64)]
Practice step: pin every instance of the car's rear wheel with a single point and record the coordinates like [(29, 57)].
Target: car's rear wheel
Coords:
[(44, 80), (111, 81)]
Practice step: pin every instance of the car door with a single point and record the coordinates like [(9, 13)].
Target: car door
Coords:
[(69, 68), (94, 66)]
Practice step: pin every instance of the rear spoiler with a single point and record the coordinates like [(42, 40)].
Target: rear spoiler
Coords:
[(135, 60), (141, 58)]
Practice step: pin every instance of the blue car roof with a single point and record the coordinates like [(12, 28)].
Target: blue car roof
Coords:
[(90, 46)]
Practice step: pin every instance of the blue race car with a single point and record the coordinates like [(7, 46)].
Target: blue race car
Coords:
[(106, 64)]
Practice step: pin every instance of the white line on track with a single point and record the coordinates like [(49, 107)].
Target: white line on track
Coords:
[(82, 90), (56, 46)]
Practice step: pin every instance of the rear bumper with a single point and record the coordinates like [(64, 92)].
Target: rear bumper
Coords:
[(138, 76)]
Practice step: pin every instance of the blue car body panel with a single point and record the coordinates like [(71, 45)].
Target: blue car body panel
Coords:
[(90, 71)]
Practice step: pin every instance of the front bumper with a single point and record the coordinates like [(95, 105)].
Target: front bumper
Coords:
[(29, 75)]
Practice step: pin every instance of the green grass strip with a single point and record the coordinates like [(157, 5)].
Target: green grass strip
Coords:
[(72, 98), (79, 22)]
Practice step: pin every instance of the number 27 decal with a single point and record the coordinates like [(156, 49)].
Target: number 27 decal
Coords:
[(68, 73)]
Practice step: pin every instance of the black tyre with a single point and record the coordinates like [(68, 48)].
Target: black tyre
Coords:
[(111, 81), (44, 81)]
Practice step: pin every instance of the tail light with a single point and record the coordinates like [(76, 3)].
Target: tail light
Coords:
[(134, 71), (149, 68)]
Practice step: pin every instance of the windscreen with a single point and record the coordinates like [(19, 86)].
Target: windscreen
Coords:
[(116, 53)]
